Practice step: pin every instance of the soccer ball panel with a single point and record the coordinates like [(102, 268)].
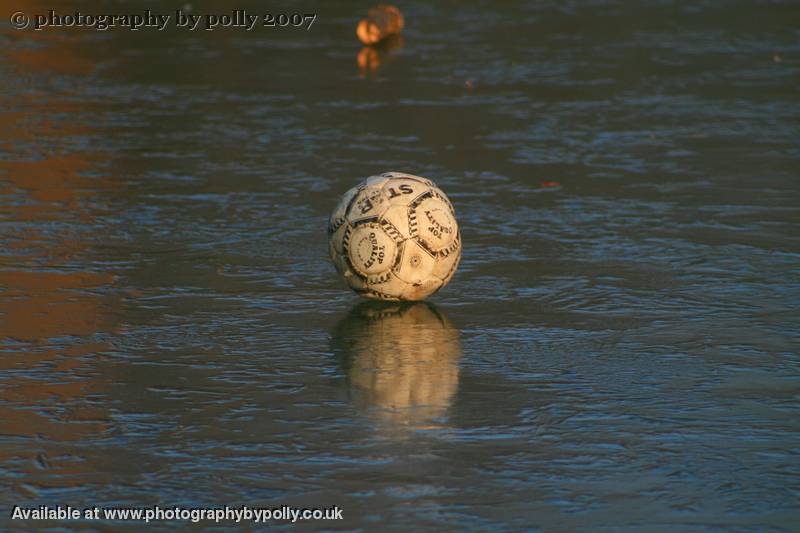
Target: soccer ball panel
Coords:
[(369, 204), (386, 286), (343, 267), (446, 264), (447, 277), (355, 282), (339, 213), (336, 259), (439, 193), (370, 249), (397, 217), (336, 238), (435, 225), (421, 290), (403, 191), (415, 264)]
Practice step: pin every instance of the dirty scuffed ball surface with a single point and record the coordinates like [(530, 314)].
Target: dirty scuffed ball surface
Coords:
[(395, 237)]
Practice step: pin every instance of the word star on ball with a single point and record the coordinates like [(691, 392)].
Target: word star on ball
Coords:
[(395, 237)]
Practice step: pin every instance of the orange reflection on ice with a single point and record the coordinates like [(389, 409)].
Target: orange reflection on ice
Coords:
[(53, 310), (371, 58)]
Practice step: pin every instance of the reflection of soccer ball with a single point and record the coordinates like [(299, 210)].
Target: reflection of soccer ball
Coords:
[(395, 237), (401, 361)]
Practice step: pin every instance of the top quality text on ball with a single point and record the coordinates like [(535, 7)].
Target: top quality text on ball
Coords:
[(237, 18)]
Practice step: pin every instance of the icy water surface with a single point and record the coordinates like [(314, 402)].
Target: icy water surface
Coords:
[(617, 352)]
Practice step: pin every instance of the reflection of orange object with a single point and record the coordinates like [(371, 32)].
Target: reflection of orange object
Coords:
[(368, 59), (371, 58), (381, 22), (41, 305), (546, 184)]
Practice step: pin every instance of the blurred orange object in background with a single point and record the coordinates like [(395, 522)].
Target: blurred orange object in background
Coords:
[(382, 21)]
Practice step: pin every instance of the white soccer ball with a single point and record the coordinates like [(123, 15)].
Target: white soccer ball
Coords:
[(395, 237)]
